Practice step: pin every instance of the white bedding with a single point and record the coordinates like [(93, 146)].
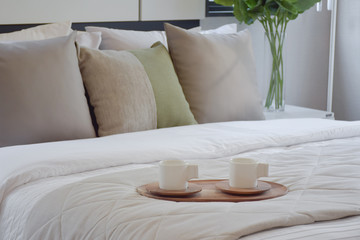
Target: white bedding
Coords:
[(85, 189)]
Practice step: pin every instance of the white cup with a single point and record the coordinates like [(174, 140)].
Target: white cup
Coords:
[(174, 174), (244, 172)]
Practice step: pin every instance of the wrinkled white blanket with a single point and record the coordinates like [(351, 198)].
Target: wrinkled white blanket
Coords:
[(86, 189)]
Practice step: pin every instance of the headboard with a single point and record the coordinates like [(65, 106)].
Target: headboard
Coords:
[(131, 25)]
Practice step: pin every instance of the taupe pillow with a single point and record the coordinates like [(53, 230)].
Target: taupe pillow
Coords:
[(42, 96), (119, 90), (217, 74)]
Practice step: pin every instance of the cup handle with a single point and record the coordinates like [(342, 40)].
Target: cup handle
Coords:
[(193, 171), (262, 170)]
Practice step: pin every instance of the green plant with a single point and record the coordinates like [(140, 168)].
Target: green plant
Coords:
[(274, 16)]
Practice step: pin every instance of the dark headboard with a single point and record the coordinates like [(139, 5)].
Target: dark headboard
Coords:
[(139, 25)]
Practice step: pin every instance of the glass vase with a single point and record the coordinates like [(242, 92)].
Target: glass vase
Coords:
[(275, 54)]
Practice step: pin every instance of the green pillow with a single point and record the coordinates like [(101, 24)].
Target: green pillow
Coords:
[(172, 107)]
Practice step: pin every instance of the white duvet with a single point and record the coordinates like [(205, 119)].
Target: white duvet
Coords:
[(86, 189)]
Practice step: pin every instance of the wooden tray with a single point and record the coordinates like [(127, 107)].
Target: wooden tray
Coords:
[(210, 193)]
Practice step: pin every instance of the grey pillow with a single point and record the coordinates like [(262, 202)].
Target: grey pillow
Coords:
[(119, 90), (217, 74), (42, 96)]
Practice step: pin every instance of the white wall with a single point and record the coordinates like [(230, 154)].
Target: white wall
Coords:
[(151, 10), (307, 56), (346, 98), (45, 11)]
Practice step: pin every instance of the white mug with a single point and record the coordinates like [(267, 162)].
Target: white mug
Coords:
[(244, 172), (174, 174)]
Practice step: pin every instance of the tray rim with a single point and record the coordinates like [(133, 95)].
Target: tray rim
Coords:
[(209, 193)]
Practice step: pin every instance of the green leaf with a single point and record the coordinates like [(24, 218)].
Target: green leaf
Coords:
[(303, 5), (225, 2), (256, 12), (271, 6), (239, 11), (288, 5), (242, 14), (252, 4), (291, 16), (248, 11)]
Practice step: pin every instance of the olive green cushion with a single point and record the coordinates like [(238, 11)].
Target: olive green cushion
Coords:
[(172, 107)]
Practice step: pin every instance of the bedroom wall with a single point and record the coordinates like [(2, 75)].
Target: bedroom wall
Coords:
[(307, 54), (44, 11), (346, 98)]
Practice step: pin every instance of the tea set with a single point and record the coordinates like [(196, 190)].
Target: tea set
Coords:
[(174, 176)]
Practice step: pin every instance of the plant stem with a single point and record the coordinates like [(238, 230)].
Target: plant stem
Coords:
[(275, 28)]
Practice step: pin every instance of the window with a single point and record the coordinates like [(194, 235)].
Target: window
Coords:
[(214, 10)]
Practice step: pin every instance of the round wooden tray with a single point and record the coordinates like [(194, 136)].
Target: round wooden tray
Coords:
[(210, 193)]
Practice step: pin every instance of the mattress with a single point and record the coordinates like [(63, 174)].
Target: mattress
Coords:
[(86, 189)]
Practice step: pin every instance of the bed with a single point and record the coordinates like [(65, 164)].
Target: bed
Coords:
[(74, 184)]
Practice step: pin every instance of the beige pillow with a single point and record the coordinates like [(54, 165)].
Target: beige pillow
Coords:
[(217, 74), (42, 97), (119, 90), (41, 32)]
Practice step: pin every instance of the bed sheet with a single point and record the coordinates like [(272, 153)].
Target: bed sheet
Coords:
[(319, 163)]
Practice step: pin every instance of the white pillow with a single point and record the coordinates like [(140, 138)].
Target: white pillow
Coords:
[(89, 39), (225, 29), (119, 39), (41, 32)]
